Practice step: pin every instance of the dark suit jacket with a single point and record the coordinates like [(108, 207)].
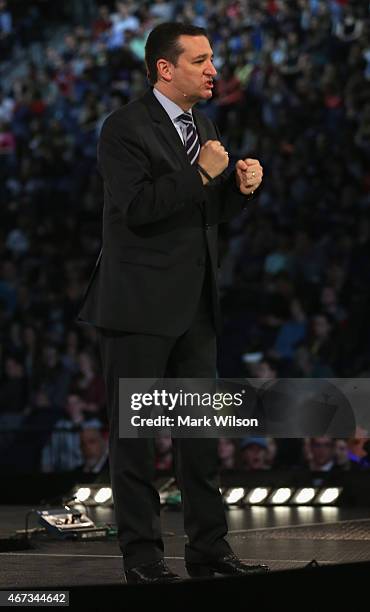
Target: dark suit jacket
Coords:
[(159, 222)]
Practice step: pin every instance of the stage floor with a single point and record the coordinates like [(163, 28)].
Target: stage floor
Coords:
[(282, 537)]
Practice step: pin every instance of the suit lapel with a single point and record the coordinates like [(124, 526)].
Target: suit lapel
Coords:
[(165, 127), (168, 132)]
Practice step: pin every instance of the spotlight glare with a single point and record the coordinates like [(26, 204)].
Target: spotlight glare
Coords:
[(281, 495), (83, 493), (258, 495), (328, 496), (103, 495), (304, 496), (235, 495)]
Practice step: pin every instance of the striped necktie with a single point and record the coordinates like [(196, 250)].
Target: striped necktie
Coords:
[(192, 145)]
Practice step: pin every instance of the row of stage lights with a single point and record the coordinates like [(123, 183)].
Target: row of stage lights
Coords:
[(282, 496), (102, 495)]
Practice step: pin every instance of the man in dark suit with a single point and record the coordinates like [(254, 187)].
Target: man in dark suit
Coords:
[(153, 293)]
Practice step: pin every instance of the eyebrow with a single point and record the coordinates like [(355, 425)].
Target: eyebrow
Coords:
[(202, 56)]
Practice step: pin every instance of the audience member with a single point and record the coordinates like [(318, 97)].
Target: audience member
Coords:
[(254, 453)]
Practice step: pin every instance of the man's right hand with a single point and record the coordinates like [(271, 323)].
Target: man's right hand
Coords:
[(213, 158)]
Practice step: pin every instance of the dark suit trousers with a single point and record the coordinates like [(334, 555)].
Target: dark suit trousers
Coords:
[(136, 500)]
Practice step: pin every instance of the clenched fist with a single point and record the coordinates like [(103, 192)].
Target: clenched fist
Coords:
[(213, 158), (248, 174)]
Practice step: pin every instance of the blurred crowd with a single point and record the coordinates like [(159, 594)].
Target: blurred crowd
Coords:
[(293, 90), (320, 454)]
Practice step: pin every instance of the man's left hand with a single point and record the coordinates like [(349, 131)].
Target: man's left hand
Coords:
[(248, 175)]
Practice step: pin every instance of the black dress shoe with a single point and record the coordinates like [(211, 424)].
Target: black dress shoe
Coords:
[(151, 573), (229, 565)]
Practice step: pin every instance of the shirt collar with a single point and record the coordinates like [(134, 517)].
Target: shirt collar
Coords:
[(171, 108)]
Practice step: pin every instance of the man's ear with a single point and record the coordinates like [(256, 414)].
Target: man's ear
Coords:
[(164, 70)]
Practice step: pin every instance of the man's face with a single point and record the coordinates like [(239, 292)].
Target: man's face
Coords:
[(74, 407), (226, 448), (254, 457), (91, 443), (264, 370), (322, 450), (194, 72), (341, 452), (321, 326)]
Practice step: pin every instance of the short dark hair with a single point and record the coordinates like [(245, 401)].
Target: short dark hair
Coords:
[(163, 42)]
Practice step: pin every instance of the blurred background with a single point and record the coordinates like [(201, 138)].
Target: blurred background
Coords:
[(293, 90)]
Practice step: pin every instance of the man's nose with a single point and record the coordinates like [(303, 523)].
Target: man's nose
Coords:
[(211, 70)]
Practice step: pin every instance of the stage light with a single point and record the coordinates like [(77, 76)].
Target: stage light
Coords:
[(281, 495), (304, 495), (234, 496), (329, 495), (257, 496), (103, 495), (92, 495), (82, 494)]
